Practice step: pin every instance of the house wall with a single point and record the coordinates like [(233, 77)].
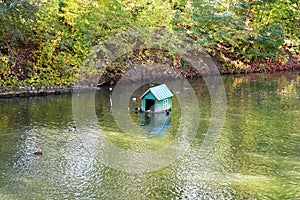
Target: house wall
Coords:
[(168, 106)]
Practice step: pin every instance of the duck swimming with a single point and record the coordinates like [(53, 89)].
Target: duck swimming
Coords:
[(72, 129), (39, 152)]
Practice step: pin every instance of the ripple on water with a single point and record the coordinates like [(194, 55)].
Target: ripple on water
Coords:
[(256, 156)]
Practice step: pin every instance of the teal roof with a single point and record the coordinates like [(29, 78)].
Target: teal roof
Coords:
[(160, 92)]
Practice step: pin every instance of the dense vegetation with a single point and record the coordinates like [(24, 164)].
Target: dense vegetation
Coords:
[(45, 42)]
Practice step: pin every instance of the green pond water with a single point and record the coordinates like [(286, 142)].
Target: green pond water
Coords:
[(255, 155)]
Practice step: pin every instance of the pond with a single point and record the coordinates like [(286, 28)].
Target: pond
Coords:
[(256, 154)]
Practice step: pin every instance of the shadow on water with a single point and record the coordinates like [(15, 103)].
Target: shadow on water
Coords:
[(257, 154)]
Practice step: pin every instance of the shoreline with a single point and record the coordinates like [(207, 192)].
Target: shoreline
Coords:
[(30, 91), (12, 92)]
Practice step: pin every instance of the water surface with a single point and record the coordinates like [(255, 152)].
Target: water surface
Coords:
[(257, 154)]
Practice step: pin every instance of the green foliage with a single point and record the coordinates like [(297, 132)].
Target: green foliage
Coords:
[(226, 23), (46, 42), (15, 17), (268, 41)]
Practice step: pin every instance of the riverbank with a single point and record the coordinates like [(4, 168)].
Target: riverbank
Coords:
[(12, 92), (53, 43)]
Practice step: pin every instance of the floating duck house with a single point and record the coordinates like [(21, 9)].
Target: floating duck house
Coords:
[(157, 99)]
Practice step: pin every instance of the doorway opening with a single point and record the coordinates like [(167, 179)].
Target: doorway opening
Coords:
[(150, 104)]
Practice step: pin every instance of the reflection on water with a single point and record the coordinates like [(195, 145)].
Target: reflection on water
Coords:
[(156, 123), (257, 155)]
